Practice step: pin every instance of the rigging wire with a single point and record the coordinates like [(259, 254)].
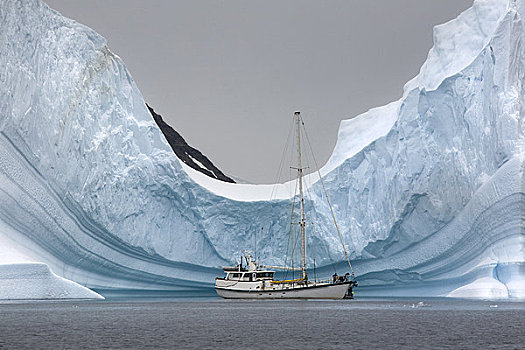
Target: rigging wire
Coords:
[(291, 237), (329, 204), (309, 196), (309, 181), (292, 242), (273, 193), (281, 163)]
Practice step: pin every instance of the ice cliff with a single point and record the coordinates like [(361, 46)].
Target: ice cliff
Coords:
[(429, 191)]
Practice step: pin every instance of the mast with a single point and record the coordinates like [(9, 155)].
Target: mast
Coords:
[(300, 178)]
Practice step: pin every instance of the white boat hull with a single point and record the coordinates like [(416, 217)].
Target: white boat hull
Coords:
[(314, 291)]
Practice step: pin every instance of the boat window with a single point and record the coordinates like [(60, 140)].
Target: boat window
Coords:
[(264, 274), (232, 276)]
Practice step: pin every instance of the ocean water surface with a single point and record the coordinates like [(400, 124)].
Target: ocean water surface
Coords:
[(222, 324)]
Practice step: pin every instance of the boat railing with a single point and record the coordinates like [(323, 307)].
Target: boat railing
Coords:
[(281, 268), (288, 281)]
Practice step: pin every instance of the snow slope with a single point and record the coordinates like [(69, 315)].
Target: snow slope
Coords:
[(429, 191), (34, 281)]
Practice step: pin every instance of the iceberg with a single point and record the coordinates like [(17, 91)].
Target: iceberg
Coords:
[(35, 281), (429, 191)]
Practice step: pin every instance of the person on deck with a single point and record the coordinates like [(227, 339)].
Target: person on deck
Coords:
[(334, 277)]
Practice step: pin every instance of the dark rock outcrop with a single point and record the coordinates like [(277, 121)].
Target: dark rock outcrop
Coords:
[(186, 153)]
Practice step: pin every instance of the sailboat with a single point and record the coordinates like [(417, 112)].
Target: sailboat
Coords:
[(250, 280)]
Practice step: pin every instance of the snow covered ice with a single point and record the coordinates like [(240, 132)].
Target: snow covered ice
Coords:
[(429, 191), (32, 281)]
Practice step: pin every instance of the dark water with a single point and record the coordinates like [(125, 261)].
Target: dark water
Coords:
[(218, 324)]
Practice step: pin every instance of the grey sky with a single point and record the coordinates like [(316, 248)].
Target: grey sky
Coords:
[(228, 75)]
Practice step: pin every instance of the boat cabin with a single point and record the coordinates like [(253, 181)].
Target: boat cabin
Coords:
[(249, 276)]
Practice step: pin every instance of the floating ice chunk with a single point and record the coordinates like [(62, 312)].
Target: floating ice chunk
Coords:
[(35, 281), (483, 288)]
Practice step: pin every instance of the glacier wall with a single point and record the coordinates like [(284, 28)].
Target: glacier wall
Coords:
[(429, 191)]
